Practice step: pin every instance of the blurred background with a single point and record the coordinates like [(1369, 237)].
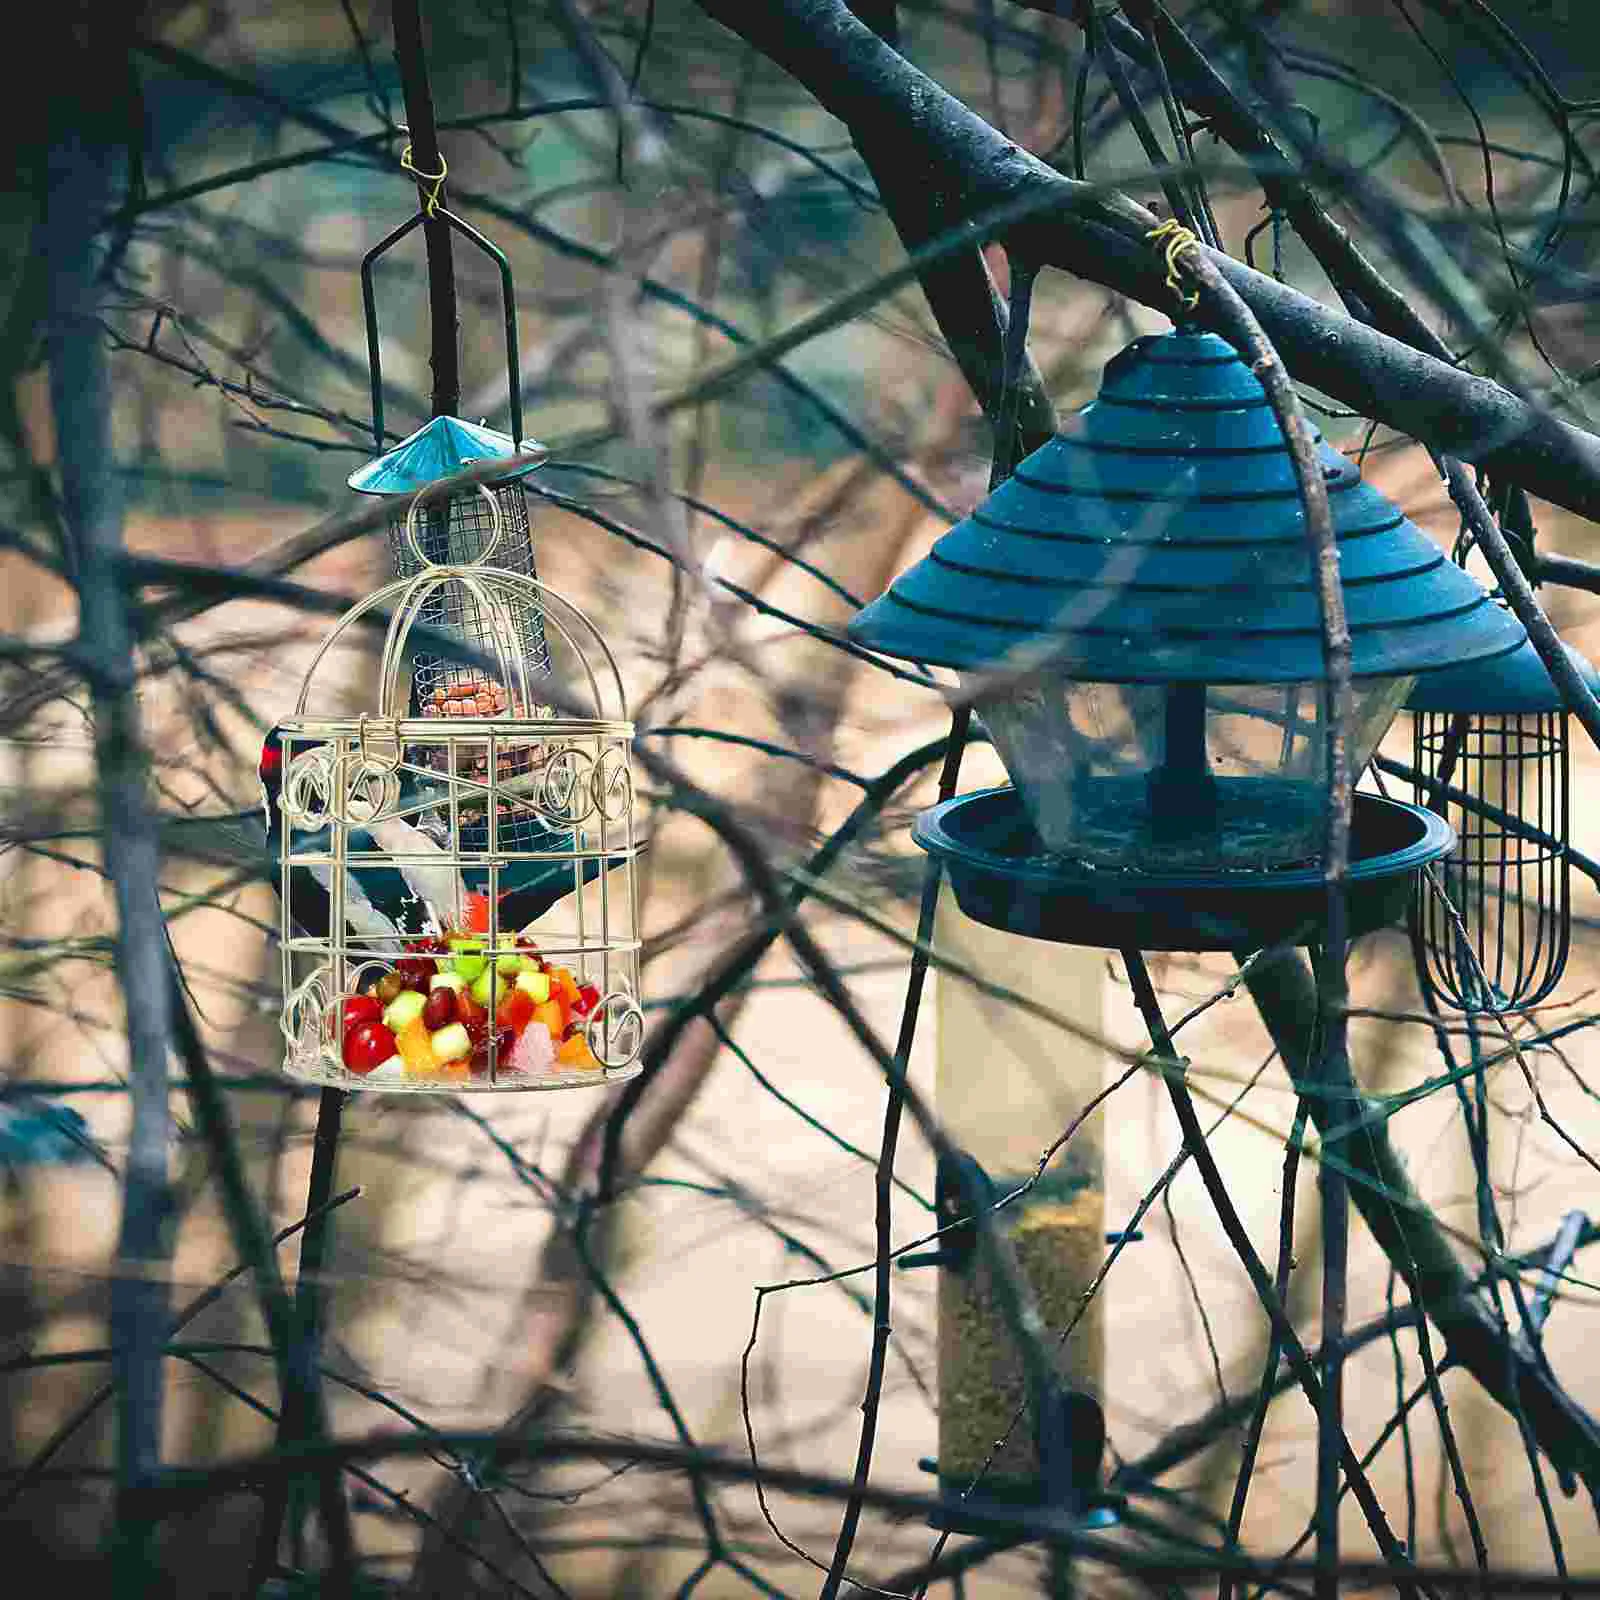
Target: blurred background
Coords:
[(726, 209)]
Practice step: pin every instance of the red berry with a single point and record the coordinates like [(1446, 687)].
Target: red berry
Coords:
[(415, 972), (356, 1009), (505, 1041), (440, 1010), (588, 999), (368, 1046)]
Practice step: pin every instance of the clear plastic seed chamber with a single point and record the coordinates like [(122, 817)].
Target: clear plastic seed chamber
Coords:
[(1168, 776), (468, 846), (1034, 1081)]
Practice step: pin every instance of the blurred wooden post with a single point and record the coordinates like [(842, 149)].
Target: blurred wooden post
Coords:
[(1006, 1085)]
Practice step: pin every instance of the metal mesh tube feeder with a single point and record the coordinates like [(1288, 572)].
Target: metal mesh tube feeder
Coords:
[(1489, 747)]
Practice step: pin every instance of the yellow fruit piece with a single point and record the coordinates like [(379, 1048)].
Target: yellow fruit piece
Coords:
[(415, 1044)]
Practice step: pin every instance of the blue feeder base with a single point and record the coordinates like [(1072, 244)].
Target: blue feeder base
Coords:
[(1004, 878), (984, 1512)]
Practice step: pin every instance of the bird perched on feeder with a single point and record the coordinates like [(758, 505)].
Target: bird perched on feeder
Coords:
[(381, 901)]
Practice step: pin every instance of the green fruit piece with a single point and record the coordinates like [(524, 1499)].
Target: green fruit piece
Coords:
[(448, 980), (464, 941), (451, 1043), (508, 965), (536, 985), (405, 1007), (469, 966), (486, 988)]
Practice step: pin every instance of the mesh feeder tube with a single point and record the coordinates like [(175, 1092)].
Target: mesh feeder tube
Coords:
[(1489, 750)]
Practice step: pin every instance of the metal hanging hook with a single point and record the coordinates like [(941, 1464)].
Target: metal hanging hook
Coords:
[(508, 300)]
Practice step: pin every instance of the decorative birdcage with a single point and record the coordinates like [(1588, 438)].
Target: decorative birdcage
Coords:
[(1489, 745), (473, 808)]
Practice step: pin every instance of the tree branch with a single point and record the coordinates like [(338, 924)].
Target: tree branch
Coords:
[(1100, 236), (82, 166), (1512, 1374)]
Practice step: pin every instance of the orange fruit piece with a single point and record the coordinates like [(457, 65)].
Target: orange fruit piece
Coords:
[(516, 1010), (415, 1044), (575, 1052), (563, 980), (551, 1014)]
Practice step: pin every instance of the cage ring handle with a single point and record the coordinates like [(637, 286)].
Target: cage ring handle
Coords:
[(484, 586), (508, 307), (496, 530)]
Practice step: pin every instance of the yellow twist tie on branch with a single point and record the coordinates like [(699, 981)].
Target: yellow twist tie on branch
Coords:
[(430, 201), (1176, 240)]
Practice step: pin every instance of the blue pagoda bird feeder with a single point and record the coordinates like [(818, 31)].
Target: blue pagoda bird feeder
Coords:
[(1489, 743), (1133, 616)]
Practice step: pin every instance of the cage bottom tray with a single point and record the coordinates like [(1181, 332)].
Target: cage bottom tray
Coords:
[(1003, 877), (327, 1076)]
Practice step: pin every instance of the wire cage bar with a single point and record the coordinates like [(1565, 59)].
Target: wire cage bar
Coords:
[(478, 861), (1496, 934)]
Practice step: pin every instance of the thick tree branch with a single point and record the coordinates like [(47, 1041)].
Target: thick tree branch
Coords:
[(910, 179), (1513, 1374), (1100, 236), (82, 168)]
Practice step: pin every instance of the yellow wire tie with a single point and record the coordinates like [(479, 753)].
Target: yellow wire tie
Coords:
[(1176, 240), (435, 180)]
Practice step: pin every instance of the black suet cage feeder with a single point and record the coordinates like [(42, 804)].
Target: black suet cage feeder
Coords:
[(1490, 754)]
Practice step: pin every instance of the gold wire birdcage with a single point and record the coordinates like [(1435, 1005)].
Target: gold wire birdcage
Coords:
[(478, 859)]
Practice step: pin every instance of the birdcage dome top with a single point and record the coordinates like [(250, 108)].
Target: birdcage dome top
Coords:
[(1159, 537), (473, 609), (439, 448)]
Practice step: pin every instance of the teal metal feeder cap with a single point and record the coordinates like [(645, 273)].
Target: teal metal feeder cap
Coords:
[(438, 449), (1159, 538), (1509, 685)]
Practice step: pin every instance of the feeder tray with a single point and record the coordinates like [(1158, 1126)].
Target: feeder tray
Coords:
[(471, 817), (1003, 877)]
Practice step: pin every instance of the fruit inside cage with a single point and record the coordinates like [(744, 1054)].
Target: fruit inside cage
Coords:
[(452, 1008)]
